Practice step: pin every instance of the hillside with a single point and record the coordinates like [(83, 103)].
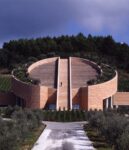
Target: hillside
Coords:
[(97, 48)]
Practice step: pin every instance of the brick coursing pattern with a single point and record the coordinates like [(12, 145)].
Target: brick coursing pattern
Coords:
[(89, 97), (121, 98), (97, 93)]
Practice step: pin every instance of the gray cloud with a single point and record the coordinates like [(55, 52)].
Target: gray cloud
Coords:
[(29, 18), (101, 14)]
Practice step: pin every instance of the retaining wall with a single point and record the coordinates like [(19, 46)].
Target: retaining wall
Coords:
[(35, 96), (97, 93)]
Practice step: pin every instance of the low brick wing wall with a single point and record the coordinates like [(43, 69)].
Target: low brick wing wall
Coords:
[(121, 98)]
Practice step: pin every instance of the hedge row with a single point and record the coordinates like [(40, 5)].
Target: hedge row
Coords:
[(14, 131), (113, 126)]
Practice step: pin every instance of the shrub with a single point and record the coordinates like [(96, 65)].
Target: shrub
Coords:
[(21, 123), (8, 111), (113, 127), (32, 121), (14, 131), (123, 141), (21, 74), (96, 119), (8, 135), (39, 114)]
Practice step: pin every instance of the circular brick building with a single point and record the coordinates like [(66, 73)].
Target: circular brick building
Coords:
[(70, 83)]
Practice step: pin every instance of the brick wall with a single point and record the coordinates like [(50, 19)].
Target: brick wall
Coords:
[(7, 98), (35, 96), (80, 96), (121, 98), (52, 96), (83, 70), (97, 93), (84, 98), (30, 93), (76, 96), (41, 62)]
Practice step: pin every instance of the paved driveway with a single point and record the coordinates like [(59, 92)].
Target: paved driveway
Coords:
[(63, 136)]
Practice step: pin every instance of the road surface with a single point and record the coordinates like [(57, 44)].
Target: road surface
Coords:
[(63, 136)]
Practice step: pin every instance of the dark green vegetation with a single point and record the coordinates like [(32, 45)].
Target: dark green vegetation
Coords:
[(31, 138), (21, 74), (99, 141), (123, 81), (5, 83), (108, 130), (64, 116), (106, 74), (99, 49), (22, 130)]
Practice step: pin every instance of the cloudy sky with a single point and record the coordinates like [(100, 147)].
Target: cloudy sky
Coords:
[(38, 18)]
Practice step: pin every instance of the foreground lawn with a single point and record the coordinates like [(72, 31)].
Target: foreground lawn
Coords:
[(99, 141), (5, 83)]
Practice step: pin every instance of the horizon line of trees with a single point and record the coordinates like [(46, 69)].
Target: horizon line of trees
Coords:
[(100, 49), (18, 51)]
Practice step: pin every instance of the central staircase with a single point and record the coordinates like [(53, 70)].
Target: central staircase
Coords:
[(63, 85)]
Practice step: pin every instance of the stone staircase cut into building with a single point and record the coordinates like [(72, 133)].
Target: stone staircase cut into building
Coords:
[(63, 96)]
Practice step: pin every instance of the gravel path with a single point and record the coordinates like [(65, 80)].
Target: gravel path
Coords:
[(63, 136)]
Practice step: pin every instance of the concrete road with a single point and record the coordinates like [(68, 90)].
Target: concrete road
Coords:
[(63, 136)]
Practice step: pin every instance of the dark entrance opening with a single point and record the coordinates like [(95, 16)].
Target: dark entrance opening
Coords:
[(20, 102)]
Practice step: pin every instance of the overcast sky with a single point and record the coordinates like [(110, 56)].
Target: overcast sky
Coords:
[(38, 18)]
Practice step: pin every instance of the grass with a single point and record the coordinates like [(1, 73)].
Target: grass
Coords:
[(31, 138), (99, 141), (5, 83)]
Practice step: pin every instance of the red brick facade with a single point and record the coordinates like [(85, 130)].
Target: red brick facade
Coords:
[(121, 98), (97, 93), (87, 97), (7, 98)]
